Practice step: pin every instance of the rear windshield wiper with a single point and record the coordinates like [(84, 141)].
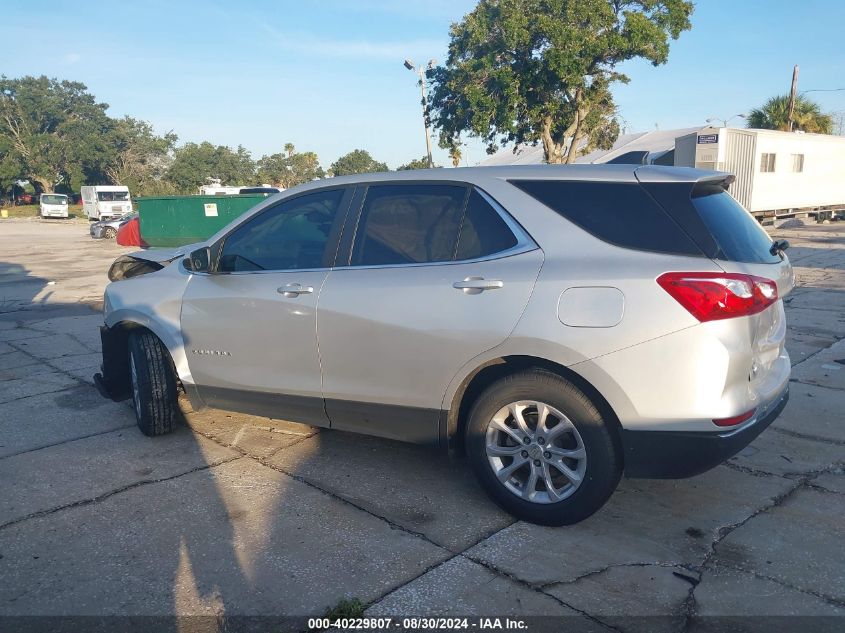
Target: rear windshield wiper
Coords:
[(778, 246)]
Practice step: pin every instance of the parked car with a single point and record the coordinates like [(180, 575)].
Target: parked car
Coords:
[(52, 205), (558, 325), (107, 229), (102, 202), (129, 233)]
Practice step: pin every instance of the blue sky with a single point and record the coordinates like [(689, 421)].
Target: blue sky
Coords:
[(327, 75)]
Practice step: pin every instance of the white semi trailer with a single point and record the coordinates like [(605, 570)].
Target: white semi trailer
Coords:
[(778, 174)]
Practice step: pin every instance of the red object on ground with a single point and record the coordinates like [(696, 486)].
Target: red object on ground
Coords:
[(130, 234)]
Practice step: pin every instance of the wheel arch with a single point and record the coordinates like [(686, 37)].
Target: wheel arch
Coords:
[(494, 369)]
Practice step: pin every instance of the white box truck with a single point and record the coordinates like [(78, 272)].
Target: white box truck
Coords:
[(101, 202), (52, 205)]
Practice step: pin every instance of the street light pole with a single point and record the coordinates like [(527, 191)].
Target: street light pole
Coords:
[(726, 121), (421, 72)]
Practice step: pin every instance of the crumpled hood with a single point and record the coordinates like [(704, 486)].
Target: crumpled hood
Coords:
[(147, 261), (163, 255)]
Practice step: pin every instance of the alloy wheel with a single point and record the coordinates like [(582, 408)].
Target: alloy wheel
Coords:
[(536, 452)]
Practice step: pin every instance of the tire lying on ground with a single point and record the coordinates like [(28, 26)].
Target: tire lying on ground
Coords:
[(153, 379)]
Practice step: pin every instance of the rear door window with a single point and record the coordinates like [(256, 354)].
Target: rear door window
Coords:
[(409, 224), (622, 214), (483, 231), (739, 236)]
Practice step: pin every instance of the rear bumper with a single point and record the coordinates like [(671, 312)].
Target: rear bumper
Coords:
[(679, 454)]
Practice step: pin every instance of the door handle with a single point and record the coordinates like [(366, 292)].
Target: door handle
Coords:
[(294, 290), (476, 285)]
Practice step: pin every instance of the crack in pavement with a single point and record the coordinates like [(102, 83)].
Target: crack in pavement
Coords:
[(116, 491), (40, 393), (607, 568), (263, 461), (807, 436), (724, 531), (68, 441), (538, 589)]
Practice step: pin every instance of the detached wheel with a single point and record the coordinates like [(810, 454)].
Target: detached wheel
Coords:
[(541, 449), (109, 233), (153, 384)]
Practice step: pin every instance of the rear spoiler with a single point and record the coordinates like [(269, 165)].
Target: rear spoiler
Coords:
[(657, 174)]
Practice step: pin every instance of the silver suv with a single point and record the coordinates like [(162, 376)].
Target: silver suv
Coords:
[(559, 325)]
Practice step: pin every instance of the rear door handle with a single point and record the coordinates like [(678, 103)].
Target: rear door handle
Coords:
[(476, 285), (294, 290)]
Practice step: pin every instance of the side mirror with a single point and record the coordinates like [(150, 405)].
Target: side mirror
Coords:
[(199, 261)]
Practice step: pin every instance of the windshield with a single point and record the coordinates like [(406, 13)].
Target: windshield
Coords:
[(54, 198), (112, 196)]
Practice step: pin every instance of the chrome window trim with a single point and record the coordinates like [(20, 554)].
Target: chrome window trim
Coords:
[(524, 244), (516, 250)]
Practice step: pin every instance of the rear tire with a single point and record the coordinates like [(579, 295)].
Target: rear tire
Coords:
[(153, 380), (109, 233), (572, 435)]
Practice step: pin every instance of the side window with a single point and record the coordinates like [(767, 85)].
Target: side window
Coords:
[(483, 231), (409, 224), (289, 236), (620, 213)]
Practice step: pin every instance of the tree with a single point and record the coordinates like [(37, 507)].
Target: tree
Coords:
[(289, 169), (193, 164), (140, 158), (528, 71), (455, 155), (55, 130), (417, 163), (807, 116), (357, 161)]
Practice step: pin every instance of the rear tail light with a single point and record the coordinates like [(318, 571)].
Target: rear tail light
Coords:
[(715, 296)]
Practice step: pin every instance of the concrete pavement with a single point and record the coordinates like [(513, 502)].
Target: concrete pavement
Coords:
[(239, 515)]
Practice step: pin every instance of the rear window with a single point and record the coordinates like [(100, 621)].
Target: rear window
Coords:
[(620, 213), (739, 236)]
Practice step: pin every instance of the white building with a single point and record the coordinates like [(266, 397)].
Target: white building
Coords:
[(777, 173)]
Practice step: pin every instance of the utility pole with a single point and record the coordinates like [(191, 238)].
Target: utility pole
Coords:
[(423, 92), (792, 96)]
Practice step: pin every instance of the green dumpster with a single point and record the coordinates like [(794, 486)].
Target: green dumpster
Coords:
[(178, 220)]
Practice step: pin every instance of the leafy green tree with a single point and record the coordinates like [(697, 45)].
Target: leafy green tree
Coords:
[(139, 157), (357, 161), (528, 71), (417, 163), (194, 164), (11, 167), (807, 116), (55, 130), (289, 169)]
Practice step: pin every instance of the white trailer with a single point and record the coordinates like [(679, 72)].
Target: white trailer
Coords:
[(777, 173), (101, 202)]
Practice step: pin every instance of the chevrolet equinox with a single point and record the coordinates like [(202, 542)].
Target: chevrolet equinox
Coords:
[(560, 325)]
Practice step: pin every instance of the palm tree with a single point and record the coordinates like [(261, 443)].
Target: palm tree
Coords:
[(807, 116), (455, 155)]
